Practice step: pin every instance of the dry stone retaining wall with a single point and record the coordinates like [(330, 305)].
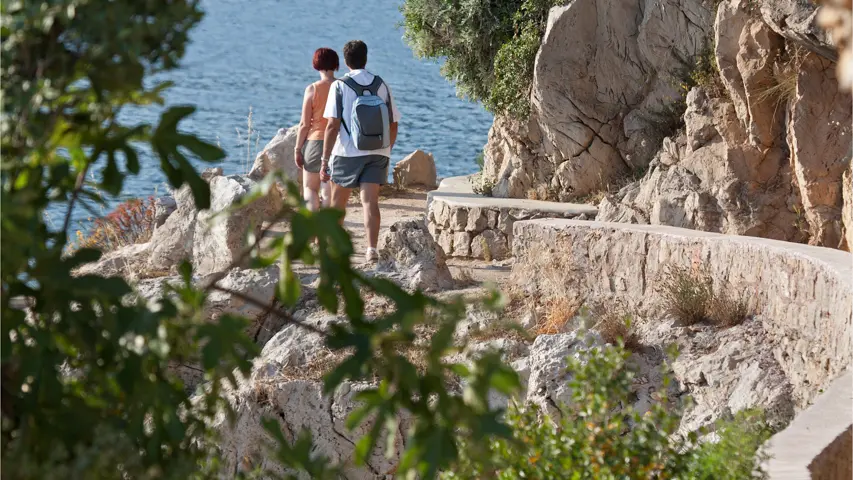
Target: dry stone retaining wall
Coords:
[(803, 294)]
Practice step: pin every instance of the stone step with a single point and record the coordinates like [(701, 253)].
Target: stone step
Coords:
[(469, 225)]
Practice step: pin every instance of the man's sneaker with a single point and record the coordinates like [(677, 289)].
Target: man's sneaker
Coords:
[(371, 255)]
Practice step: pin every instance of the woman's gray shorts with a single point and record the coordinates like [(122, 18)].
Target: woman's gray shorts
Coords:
[(312, 151), (350, 172)]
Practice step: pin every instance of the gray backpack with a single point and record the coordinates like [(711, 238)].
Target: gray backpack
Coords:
[(370, 122)]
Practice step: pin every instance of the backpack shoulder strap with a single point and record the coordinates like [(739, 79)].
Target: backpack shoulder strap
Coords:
[(339, 98), (378, 82), (351, 83)]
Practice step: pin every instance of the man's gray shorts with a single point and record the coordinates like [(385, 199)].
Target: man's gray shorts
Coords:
[(350, 172), (312, 152)]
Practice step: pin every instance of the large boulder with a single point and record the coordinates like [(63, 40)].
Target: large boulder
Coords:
[(163, 207), (603, 70), (409, 255), (172, 242), (797, 21), (259, 284), (819, 134), (277, 155), (219, 239), (548, 381), (285, 386), (416, 170)]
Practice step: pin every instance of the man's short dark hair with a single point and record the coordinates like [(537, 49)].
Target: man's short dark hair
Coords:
[(355, 54)]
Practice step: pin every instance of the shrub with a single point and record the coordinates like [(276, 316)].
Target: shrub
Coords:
[(687, 295), (691, 298), (481, 186), (613, 322), (596, 439), (130, 223), (488, 48), (727, 310)]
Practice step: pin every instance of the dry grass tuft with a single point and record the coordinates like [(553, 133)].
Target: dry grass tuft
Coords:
[(727, 310), (690, 297), (687, 295), (558, 313), (614, 323)]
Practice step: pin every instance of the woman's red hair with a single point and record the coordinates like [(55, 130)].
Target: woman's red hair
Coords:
[(325, 59)]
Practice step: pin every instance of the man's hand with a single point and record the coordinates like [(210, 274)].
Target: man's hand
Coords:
[(324, 171), (299, 159)]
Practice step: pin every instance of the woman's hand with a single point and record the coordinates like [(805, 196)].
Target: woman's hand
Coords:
[(299, 159)]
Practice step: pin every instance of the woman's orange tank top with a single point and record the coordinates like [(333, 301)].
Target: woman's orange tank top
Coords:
[(318, 106)]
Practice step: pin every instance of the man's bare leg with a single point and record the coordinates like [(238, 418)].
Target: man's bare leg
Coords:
[(370, 205), (340, 197)]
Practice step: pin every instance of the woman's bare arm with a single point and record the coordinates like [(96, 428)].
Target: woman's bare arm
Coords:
[(304, 123)]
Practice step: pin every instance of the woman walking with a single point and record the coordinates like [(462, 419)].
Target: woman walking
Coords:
[(309, 142)]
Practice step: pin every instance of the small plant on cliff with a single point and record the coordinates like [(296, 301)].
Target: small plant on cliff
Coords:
[(690, 297), (130, 223), (614, 323), (481, 186), (596, 438), (728, 309), (687, 294)]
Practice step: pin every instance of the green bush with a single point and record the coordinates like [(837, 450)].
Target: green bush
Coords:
[(595, 438), (488, 48)]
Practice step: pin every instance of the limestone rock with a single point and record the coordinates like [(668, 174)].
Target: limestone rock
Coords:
[(409, 255), (172, 242), (283, 387), (298, 405), (490, 245), (602, 70), (258, 284), (820, 135), (277, 155), (729, 172), (417, 169), (218, 239), (127, 261), (548, 383), (797, 22), (163, 207)]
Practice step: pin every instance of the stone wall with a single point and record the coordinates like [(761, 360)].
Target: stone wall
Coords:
[(472, 226), (804, 294)]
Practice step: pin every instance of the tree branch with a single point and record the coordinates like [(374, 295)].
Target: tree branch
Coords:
[(270, 308)]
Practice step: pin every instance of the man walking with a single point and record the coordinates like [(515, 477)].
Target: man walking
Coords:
[(360, 133)]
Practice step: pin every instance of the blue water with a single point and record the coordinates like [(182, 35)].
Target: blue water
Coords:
[(258, 53)]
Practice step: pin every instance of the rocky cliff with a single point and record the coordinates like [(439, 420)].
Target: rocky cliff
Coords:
[(764, 137)]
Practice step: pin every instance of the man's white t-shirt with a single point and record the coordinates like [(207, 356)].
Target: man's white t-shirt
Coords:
[(344, 146)]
